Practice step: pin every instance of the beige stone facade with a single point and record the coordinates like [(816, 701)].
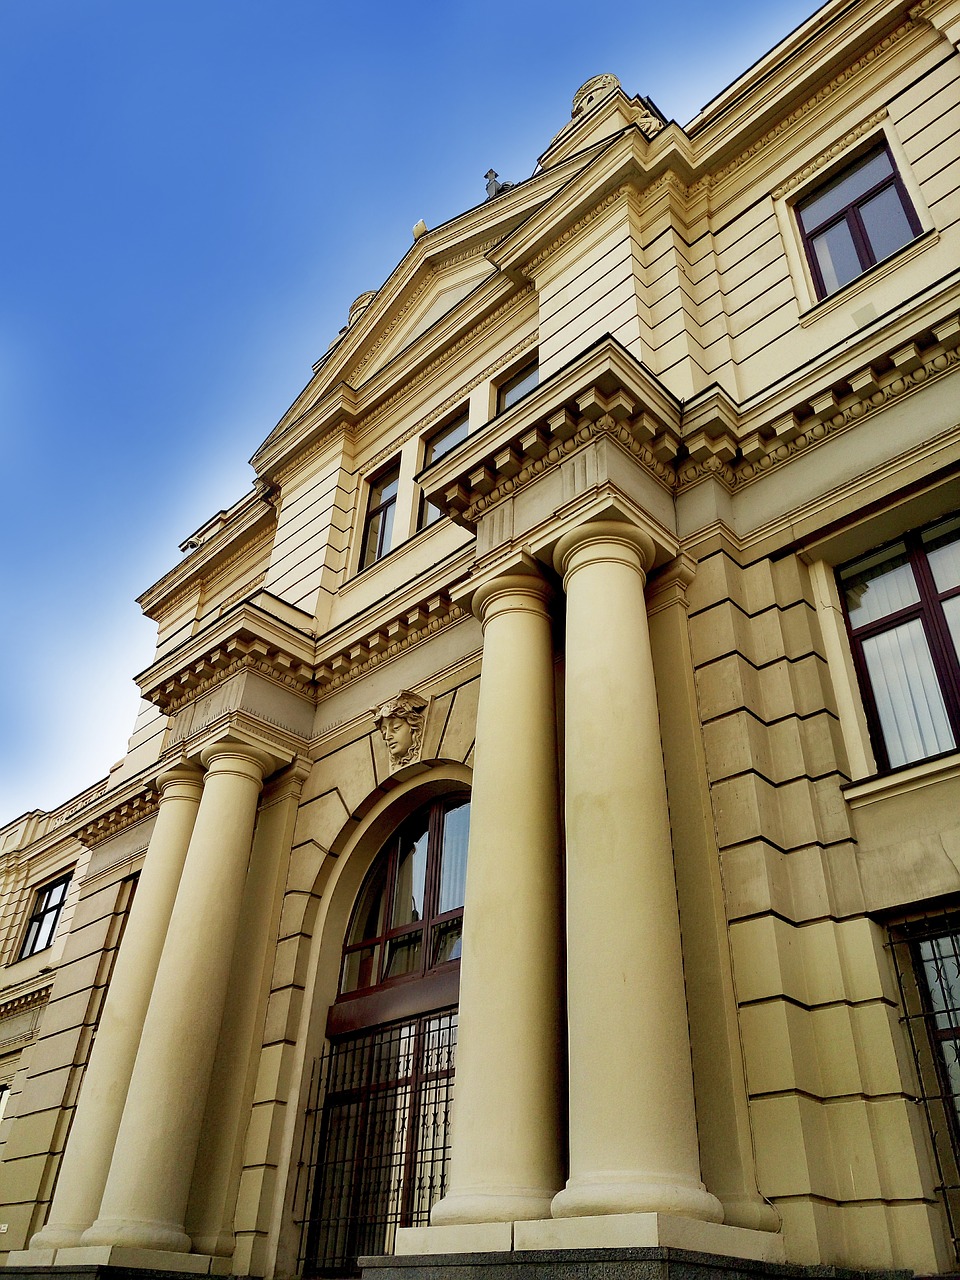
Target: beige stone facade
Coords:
[(626, 507)]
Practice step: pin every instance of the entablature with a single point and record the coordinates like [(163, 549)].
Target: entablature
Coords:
[(222, 539)]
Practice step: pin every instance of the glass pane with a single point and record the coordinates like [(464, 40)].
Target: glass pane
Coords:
[(360, 969), (942, 545), (909, 701), (411, 878), (371, 548), (951, 609), (446, 941), (429, 514), (367, 919), (385, 488), (886, 223), (403, 954), (453, 867), (837, 257), (844, 190), (518, 386), (879, 586), (56, 894), (445, 440), (941, 968)]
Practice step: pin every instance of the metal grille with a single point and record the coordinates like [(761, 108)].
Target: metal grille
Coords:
[(377, 1133), (926, 954)]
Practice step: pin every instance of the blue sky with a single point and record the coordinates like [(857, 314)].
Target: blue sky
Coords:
[(194, 193)]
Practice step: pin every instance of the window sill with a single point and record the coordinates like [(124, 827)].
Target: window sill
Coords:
[(910, 778), (848, 293)]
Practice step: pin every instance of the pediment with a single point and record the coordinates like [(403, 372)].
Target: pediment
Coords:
[(429, 299)]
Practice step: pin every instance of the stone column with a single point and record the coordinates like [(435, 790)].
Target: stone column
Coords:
[(633, 1132), (505, 1161), (86, 1160), (145, 1198)]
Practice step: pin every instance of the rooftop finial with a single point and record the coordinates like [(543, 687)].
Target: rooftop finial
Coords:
[(592, 91)]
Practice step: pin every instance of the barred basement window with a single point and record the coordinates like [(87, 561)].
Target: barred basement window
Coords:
[(927, 958), (47, 906), (858, 218), (903, 613), (378, 1121)]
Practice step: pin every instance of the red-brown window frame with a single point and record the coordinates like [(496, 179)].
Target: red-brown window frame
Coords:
[(929, 610), (850, 214), (386, 863)]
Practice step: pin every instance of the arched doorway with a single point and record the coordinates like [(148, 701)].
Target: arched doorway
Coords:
[(385, 1082)]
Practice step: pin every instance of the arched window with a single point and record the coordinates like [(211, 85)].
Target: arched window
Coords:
[(408, 917), (384, 1086)]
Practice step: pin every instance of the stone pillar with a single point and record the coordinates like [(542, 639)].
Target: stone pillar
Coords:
[(505, 1161), (633, 1131), (86, 1160), (145, 1198)]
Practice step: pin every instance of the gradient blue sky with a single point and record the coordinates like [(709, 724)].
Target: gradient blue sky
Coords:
[(194, 193)]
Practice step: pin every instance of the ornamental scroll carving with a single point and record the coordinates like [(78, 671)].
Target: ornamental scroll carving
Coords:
[(401, 721)]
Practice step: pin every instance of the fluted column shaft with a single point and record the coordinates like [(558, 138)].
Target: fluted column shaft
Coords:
[(505, 1161), (86, 1160), (145, 1198), (633, 1135)]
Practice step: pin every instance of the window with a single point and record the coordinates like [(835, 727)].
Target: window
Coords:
[(926, 955), (438, 444), (378, 526), (903, 613), (47, 905), (509, 392), (408, 917), (382, 1146), (858, 218)]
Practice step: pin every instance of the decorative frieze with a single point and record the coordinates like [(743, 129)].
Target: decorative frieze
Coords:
[(133, 809)]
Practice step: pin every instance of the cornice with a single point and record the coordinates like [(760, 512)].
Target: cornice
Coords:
[(405, 630), (130, 811), (462, 392), (18, 1003), (610, 394), (219, 552), (836, 149), (798, 115), (611, 198)]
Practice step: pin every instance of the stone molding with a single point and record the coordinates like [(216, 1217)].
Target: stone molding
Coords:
[(485, 375), (19, 1003), (576, 227), (242, 651), (708, 438), (787, 122), (402, 309), (127, 813), (835, 149)]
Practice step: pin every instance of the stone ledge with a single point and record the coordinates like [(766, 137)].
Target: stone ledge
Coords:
[(658, 1263)]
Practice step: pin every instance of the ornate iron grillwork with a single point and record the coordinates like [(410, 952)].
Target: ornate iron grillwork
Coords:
[(377, 1134), (926, 955)]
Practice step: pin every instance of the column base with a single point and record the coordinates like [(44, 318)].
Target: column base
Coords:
[(127, 1233), (469, 1207), (119, 1256), (601, 1231), (581, 1199)]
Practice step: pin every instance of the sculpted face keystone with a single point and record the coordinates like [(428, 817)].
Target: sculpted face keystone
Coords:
[(400, 720)]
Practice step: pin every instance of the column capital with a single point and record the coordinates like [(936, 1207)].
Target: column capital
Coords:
[(232, 756), (514, 583), (600, 540), (182, 781)]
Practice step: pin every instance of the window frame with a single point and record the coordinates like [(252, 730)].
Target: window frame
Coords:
[(850, 215), (386, 862), (430, 454), (928, 609), (390, 474), (41, 912), (515, 380)]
